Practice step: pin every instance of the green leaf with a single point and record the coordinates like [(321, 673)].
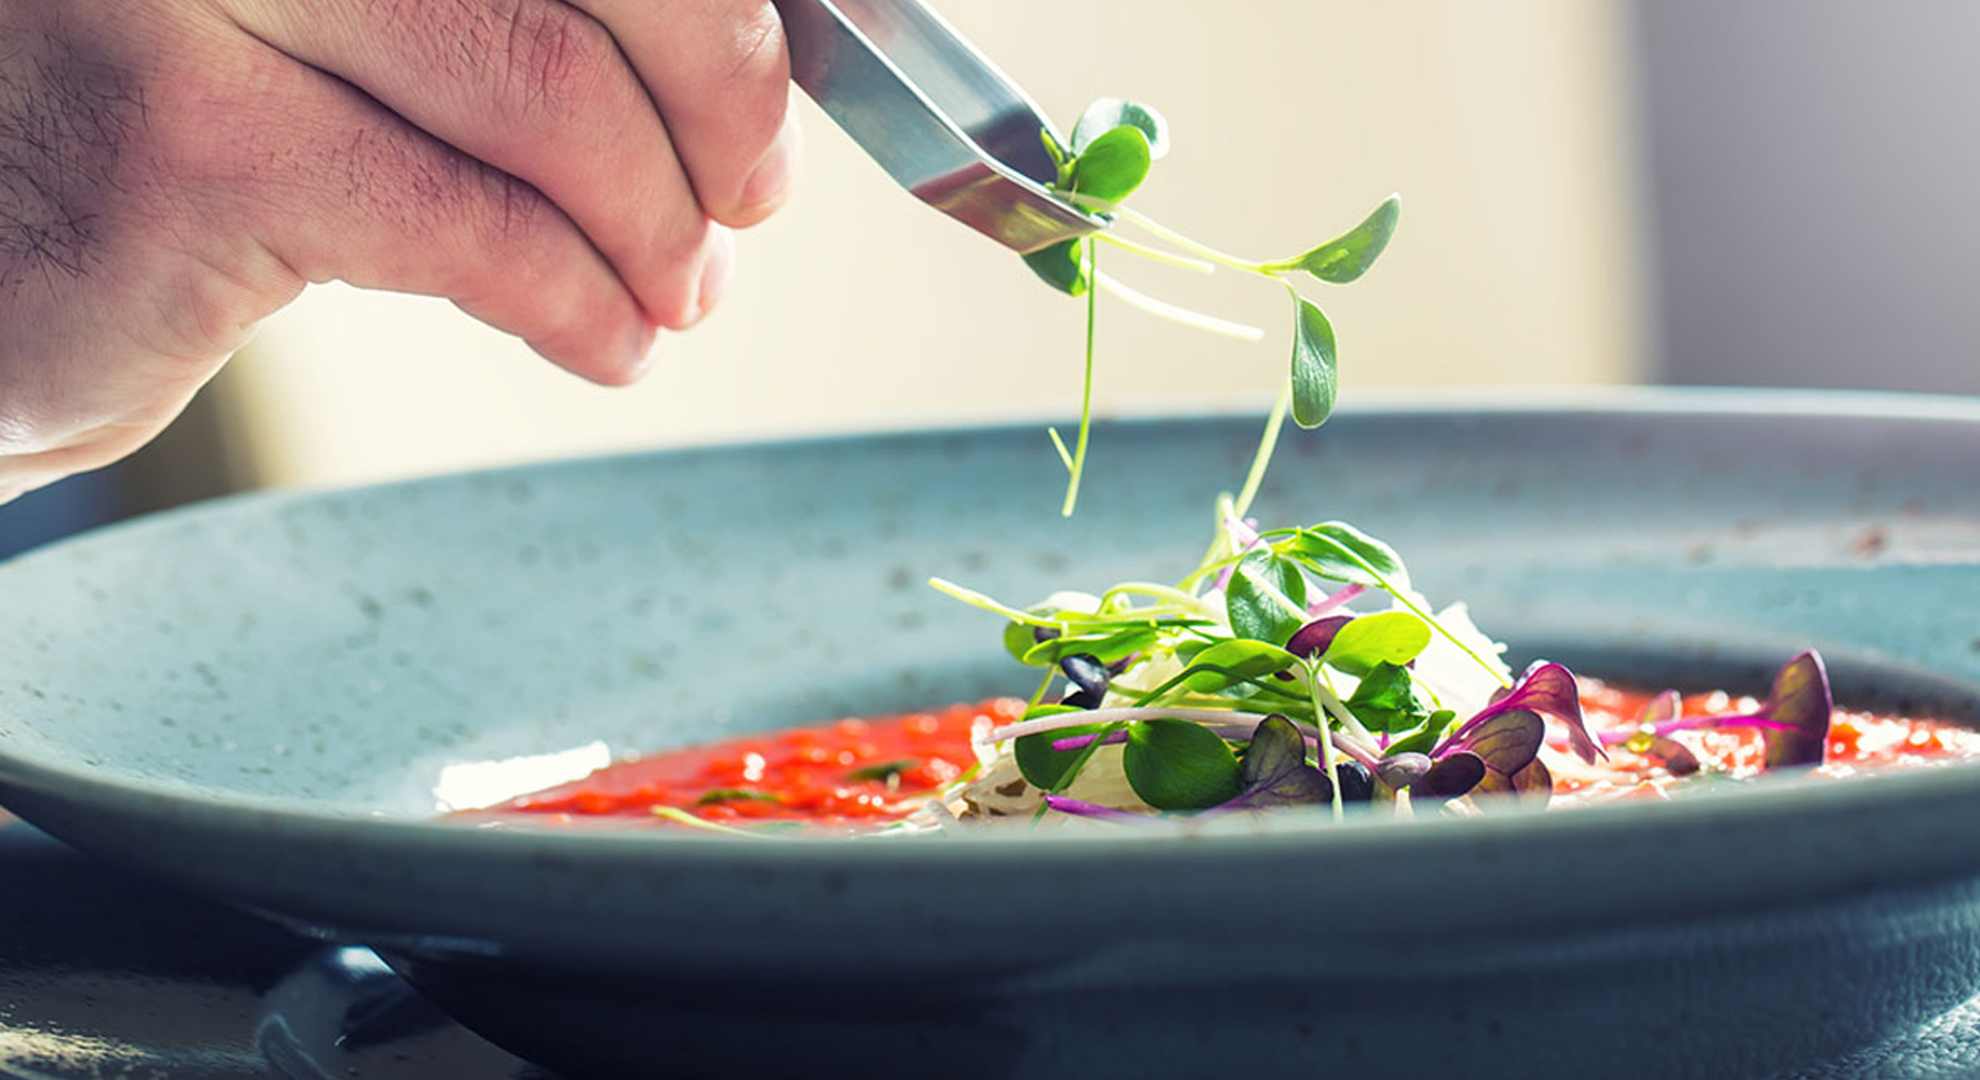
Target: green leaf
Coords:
[(1019, 638), (1348, 256), (734, 794), (1314, 378), (1386, 699), (1045, 767), (1386, 637), (1107, 647), (1253, 612), (883, 771), (1107, 114), (1177, 765), (1341, 552), (1060, 266), (1231, 663), (1424, 739), (1113, 166)]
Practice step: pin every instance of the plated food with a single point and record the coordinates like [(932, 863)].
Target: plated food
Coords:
[(1264, 680)]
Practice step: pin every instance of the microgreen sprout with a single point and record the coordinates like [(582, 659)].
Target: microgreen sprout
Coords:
[(1109, 155), (1201, 691)]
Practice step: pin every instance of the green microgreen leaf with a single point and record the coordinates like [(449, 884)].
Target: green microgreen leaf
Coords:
[(1425, 738), (1106, 647), (1177, 765), (1230, 663), (1386, 637), (1060, 266), (883, 771), (1019, 639), (1113, 165), (1043, 766), (1314, 375), (1348, 256), (1341, 552), (734, 794), (1256, 598), (1107, 114), (1386, 698)]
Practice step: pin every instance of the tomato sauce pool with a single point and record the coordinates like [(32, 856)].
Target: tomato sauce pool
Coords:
[(843, 773), (863, 774)]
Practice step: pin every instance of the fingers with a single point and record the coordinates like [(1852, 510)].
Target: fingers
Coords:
[(337, 187), (720, 73), (540, 91)]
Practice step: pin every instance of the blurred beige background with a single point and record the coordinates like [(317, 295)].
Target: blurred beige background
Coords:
[(1505, 126)]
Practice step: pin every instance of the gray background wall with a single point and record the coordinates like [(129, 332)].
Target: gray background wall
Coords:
[(1814, 181)]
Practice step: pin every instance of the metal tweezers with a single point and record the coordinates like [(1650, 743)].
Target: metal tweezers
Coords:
[(937, 115)]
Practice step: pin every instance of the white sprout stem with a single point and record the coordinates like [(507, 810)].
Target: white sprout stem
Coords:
[(1182, 602), (1148, 224), (1164, 310), (1330, 699), (1269, 442), (1166, 258), (1325, 701), (978, 600)]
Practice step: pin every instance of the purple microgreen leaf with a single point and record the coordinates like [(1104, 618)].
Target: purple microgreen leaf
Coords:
[(1402, 770), (1077, 808), (1451, 776), (1535, 783), (1676, 756), (1312, 639), (1531, 786), (1793, 722), (1666, 706), (1546, 688), (1507, 742), (1275, 772), (1802, 703)]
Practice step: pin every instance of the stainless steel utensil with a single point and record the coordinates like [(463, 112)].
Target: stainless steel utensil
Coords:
[(937, 115)]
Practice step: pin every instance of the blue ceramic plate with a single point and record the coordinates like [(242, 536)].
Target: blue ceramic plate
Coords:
[(259, 698)]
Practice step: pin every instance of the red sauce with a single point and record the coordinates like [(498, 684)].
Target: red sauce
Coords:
[(867, 773), (843, 773)]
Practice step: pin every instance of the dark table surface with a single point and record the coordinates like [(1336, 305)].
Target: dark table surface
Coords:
[(104, 974)]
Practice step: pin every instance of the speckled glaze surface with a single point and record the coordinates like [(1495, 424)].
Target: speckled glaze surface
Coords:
[(256, 698)]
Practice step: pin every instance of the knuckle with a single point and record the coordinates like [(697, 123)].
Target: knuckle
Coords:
[(753, 54), (551, 60), (513, 212)]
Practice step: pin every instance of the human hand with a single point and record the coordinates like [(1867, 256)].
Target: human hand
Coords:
[(173, 171)]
